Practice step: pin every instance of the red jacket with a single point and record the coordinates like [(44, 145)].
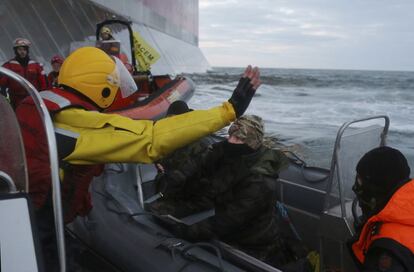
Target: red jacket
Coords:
[(33, 72), (75, 195), (395, 222)]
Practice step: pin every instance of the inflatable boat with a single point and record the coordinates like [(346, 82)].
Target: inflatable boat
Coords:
[(154, 97), (319, 203)]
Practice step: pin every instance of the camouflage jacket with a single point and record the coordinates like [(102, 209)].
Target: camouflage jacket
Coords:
[(245, 197), (180, 168)]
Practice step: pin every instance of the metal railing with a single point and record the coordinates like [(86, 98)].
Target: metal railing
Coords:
[(9, 181), (335, 225), (54, 166), (335, 157)]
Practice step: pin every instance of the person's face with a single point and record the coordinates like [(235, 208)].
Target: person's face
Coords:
[(56, 66), (366, 201), (21, 52), (105, 36), (234, 140), (357, 185)]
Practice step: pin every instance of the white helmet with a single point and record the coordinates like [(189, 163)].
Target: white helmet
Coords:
[(21, 42)]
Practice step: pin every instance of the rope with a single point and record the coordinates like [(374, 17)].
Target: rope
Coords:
[(284, 213), (303, 167)]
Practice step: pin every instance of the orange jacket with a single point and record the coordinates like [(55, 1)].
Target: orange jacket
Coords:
[(395, 222)]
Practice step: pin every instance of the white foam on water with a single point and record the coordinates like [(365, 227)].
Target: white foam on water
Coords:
[(297, 110)]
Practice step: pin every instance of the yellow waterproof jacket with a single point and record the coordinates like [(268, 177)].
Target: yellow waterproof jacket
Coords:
[(102, 138)]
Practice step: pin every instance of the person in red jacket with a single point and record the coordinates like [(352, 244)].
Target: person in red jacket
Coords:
[(27, 68), (384, 240), (56, 63), (89, 82)]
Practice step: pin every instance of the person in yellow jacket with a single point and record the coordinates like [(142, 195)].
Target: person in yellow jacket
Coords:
[(89, 81)]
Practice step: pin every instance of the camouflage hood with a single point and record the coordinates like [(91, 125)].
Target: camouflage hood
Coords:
[(249, 129), (269, 161)]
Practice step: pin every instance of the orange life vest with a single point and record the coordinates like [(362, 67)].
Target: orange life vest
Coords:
[(395, 222), (75, 195)]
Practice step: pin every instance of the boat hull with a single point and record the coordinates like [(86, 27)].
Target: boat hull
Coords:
[(156, 104), (139, 238), (121, 231)]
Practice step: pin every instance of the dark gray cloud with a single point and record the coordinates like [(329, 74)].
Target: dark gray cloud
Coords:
[(342, 34)]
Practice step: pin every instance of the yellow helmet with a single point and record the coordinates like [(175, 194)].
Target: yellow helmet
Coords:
[(91, 72)]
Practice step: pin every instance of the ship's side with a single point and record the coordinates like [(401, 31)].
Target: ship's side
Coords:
[(54, 26)]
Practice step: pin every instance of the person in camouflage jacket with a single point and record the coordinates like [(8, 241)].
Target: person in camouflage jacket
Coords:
[(240, 174), (182, 190), (176, 174)]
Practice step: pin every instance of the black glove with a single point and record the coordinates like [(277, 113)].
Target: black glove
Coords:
[(242, 96), (173, 182)]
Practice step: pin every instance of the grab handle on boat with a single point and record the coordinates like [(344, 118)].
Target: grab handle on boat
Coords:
[(9, 182)]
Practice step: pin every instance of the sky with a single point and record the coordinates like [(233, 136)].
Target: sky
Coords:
[(320, 34)]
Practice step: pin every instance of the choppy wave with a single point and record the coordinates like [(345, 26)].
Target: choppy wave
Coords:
[(307, 107), (318, 78)]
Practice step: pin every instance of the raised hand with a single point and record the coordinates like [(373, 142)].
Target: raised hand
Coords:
[(245, 90)]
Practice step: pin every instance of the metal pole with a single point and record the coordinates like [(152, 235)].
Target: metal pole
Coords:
[(54, 166)]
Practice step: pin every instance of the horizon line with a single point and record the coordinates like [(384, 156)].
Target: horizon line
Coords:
[(334, 69)]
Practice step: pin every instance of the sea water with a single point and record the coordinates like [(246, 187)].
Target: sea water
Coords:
[(304, 108)]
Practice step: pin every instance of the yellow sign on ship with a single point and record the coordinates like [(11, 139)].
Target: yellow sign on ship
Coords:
[(144, 53)]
